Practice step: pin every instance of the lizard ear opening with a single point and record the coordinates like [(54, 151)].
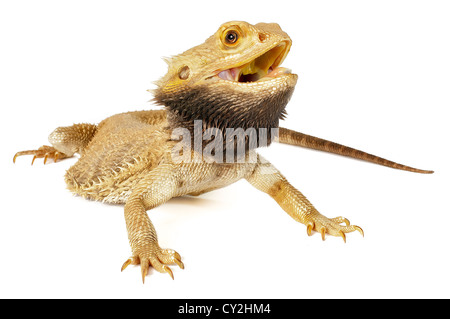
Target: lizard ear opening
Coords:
[(184, 72)]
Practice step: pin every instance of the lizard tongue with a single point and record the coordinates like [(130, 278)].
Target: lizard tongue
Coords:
[(249, 72), (230, 74)]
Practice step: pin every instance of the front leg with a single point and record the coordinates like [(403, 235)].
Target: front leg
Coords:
[(268, 179), (66, 141), (155, 189)]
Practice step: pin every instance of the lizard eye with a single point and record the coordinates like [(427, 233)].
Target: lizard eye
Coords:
[(231, 37)]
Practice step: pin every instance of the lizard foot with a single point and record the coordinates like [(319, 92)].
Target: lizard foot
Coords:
[(156, 257), (332, 226), (45, 152)]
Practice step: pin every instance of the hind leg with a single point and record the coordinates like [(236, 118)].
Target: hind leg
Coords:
[(65, 141)]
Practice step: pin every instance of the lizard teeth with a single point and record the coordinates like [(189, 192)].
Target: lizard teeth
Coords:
[(278, 71), (236, 74)]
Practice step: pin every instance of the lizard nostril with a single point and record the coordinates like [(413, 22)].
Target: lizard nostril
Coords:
[(262, 37)]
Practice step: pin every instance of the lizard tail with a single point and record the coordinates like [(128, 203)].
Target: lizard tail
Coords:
[(291, 137)]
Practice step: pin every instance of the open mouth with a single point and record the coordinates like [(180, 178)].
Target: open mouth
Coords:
[(262, 68)]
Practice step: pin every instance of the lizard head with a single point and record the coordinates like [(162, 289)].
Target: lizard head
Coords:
[(232, 80)]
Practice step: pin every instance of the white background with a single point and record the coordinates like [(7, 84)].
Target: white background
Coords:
[(372, 75)]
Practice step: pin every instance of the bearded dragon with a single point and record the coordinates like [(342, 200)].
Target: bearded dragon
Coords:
[(232, 80)]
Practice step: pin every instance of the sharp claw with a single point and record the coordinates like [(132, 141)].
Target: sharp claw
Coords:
[(322, 231), (169, 271), (342, 235), (359, 229), (45, 152), (125, 264), (309, 228), (179, 263), (158, 261), (347, 222), (176, 255), (21, 154), (144, 271)]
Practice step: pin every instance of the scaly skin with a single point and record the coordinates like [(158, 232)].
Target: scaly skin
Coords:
[(233, 80)]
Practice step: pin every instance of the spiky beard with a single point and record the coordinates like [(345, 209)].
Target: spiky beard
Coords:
[(218, 111)]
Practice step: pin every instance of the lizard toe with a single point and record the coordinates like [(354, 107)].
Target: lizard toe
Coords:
[(156, 258), (44, 152), (332, 226)]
